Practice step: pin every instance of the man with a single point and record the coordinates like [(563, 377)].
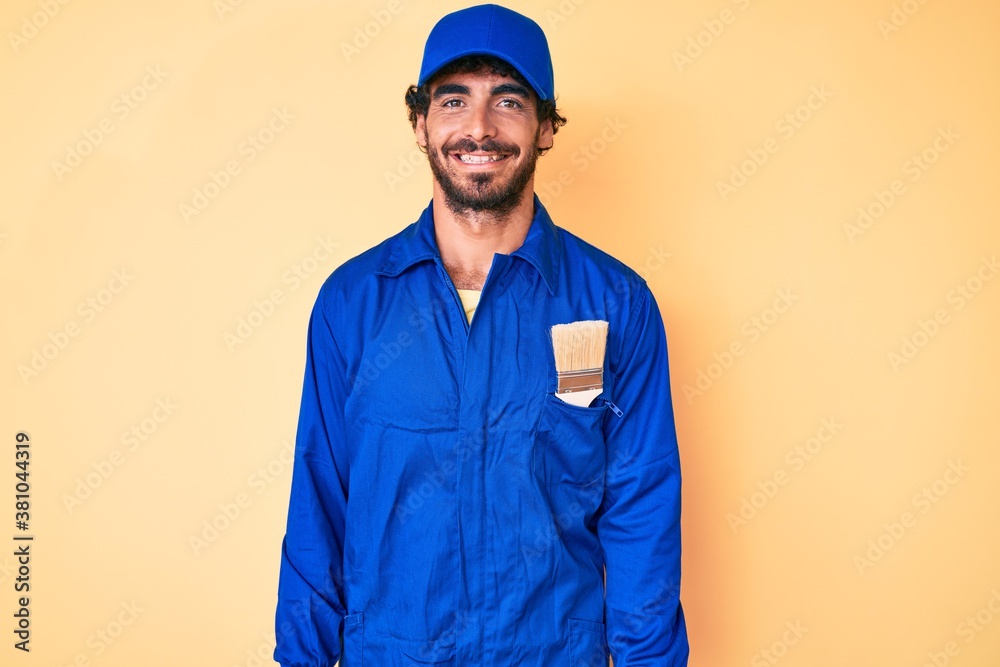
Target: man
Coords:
[(446, 508)]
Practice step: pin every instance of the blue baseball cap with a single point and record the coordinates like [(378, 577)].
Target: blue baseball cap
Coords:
[(496, 31)]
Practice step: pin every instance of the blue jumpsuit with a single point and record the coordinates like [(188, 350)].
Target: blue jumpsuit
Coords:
[(446, 507)]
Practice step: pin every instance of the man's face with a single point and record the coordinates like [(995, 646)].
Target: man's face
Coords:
[(481, 134)]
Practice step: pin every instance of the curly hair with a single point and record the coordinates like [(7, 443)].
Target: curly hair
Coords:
[(418, 99)]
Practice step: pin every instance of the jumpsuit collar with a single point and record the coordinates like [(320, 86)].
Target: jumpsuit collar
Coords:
[(541, 247)]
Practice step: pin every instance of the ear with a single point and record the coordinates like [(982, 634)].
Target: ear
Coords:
[(545, 134), (420, 130)]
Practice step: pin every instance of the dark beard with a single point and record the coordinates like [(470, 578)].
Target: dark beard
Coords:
[(499, 200)]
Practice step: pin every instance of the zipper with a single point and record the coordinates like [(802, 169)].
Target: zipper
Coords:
[(614, 408)]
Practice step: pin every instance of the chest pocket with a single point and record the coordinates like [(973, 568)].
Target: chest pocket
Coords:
[(569, 444)]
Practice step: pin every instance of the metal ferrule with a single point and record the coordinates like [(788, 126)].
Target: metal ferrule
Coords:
[(587, 378)]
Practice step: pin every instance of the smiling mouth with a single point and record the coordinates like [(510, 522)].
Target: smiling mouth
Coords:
[(480, 158)]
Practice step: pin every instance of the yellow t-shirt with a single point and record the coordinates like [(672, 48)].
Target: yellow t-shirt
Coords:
[(470, 299)]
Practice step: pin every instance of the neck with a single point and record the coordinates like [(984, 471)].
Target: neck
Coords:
[(468, 240)]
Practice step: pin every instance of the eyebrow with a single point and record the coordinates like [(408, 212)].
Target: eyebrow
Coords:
[(511, 89), (501, 89)]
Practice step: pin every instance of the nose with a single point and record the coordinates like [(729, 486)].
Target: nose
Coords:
[(480, 123)]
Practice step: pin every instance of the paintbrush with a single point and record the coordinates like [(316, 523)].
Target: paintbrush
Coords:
[(579, 353)]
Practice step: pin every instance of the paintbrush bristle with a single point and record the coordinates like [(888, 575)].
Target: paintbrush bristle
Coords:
[(579, 345)]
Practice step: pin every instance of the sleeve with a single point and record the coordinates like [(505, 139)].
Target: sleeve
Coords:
[(639, 518), (311, 603)]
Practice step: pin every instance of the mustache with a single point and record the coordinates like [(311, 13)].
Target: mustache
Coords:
[(467, 145)]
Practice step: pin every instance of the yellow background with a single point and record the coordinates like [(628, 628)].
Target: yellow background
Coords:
[(669, 100)]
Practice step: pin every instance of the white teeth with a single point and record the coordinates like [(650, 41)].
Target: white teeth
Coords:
[(479, 159)]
